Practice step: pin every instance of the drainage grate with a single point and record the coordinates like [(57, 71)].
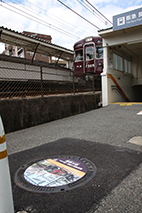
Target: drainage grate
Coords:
[(55, 174)]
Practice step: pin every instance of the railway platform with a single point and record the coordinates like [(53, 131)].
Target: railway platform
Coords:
[(108, 141)]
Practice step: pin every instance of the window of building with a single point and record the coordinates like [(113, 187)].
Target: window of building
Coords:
[(44, 56), (117, 62), (127, 66), (31, 53), (121, 64)]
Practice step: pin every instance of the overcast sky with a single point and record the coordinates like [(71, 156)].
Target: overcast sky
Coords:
[(50, 17)]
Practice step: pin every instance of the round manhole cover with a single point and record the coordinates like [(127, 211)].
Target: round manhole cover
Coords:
[(55, 174)]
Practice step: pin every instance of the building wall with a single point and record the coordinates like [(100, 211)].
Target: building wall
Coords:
[(47, 38), (137, 78), (130, 83), (38, 57), (127, 44), (10, 50), (137, 70), (125, 83), (123, 79)]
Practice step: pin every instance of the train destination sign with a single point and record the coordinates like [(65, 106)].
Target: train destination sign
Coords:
[(128, 19), (55, 174)]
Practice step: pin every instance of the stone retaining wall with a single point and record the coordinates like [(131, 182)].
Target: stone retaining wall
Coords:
[(23, 113)]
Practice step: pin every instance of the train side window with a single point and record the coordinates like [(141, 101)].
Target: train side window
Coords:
[(79, 55), (99, 52)]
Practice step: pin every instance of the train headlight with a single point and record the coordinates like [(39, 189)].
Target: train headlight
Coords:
[(79, 66)]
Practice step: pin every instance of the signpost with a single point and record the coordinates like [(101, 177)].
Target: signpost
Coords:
[(128, 19)]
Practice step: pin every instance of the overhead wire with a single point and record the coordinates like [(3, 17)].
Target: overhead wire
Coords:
[(78, 14), (65, 23), (43, 10), (87, 7), (98, 12), (38, 20)]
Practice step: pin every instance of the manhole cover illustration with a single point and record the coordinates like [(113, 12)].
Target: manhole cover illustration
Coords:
[(55, 174)]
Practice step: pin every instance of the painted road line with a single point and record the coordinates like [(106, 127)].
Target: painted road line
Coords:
[(139, 113), (137, 140)]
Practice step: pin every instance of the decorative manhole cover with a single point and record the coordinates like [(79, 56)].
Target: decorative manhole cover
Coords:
[(55, 174)]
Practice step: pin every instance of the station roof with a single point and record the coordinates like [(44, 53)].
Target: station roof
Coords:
[(33, 44), (127, 40)]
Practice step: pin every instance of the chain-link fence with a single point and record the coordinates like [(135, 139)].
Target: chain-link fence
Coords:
[(18, 79)]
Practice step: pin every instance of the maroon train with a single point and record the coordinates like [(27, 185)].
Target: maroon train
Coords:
[(88, 56)]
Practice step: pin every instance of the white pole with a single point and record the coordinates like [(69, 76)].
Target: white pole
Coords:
[(6, 198), (104, 78)]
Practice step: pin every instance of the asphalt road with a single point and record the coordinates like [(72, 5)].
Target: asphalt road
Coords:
[(100, 136)]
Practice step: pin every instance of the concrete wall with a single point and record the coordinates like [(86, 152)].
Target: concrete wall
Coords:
[(17, 71), (22, 113)]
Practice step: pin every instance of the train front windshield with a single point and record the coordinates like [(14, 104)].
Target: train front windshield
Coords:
[(89, 52), (79, 55)]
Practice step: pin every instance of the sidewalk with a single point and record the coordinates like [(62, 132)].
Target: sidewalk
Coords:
[(106, 130)]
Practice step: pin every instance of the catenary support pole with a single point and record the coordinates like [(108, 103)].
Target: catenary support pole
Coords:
[(6, 198)]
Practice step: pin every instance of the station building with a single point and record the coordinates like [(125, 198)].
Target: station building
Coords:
[(122, 73)]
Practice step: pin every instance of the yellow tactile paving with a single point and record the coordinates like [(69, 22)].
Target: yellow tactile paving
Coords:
[(126, 103)]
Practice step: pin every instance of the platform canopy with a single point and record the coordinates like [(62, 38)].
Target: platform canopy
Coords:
[(128, 40), (33, 44)]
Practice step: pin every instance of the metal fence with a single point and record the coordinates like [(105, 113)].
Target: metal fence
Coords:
[(22, 79)]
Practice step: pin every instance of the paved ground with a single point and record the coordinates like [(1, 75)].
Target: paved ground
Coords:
[(100, 136)]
